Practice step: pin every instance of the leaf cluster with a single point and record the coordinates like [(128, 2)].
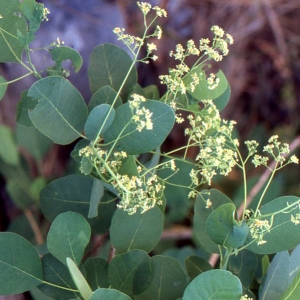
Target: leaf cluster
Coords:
[(97, 231)]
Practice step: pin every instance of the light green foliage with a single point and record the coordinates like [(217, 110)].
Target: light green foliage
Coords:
[(101, 227)]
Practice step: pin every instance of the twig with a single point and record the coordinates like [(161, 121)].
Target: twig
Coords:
[(34, 226), (276, 28)]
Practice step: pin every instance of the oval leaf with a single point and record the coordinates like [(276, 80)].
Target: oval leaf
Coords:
[(202, 90), (223, 229), (168, 280), (70, 193), (130, 272), (109, 65), (57, 273), (284, 234), (202, 213), (214, 285), (79, 279), (96, 272), (196, 265), (20, 265), (96, 196), (142, 231), (108, 294), (133, 141), (99, 120), (68, 236), (11, 44), (61, 111), (244, 265), (33, 141), (276, 280), (62, 53), (105, 95), (293, 290)]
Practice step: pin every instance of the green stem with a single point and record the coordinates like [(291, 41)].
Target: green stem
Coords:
[(265, 190), (36, 73), (122, 85), (17, 79), (12, 51), (225, 260), (60, 287)]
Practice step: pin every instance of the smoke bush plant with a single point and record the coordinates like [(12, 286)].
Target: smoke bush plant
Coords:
[(124, 183)]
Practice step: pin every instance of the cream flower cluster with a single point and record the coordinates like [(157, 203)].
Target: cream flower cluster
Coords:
[(216, 148), (214, 50), (140, 115), (277, 151)]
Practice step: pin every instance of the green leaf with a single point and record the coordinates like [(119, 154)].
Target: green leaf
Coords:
[(8, 150), (79, 280), (70, 193), (176, 195), (108, 294), (133, 141), (151, 92), (284, 234), (223, 229), (37, 184), (201, 214), (196, 265), (277, 277), (24, 105), (33, 12), (106, 209), (244, 265), (61, 111), (223, 99), (168, 280), (3, 87), (63, 53), (180, 254), (86, 166), (11, 45), (293, 290), (31, 139), (96, 196), (294, 263), (21, 226), (137, 90), (20, 265), (130, 272), (19, 193), (129, 166), (98, 121), (202, 91), (36, 294), (68, 236), (97, 272), (105, 95), (57, 274), (142, 231), (214, 285), (109, 65)]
